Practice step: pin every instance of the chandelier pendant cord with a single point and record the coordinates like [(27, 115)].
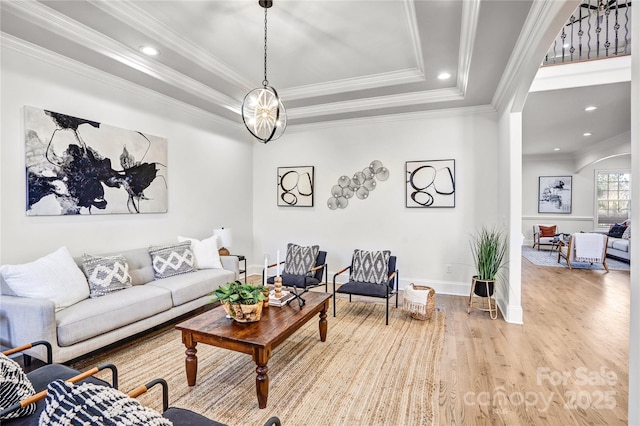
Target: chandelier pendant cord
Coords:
[(265, 82)]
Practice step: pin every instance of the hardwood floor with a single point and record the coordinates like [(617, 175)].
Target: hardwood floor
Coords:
[(567, 365)]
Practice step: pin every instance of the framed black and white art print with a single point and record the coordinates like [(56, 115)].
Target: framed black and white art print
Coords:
[(295, 186), (77, 166), (430, 183), (554, 194)]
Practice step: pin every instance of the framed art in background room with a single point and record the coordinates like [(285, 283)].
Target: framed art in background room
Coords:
[(295, 186), (554, 194), (430, 183)]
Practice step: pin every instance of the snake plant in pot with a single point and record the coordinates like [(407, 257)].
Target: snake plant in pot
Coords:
[(489, 248)]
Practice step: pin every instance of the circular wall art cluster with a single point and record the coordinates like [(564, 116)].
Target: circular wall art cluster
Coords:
[(360, 185)]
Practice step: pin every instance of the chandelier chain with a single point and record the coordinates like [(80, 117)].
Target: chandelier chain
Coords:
[(265, 82)]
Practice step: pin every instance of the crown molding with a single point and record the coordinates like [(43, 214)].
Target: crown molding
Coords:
[(130, 14), (377, 102), (414, 75), (391, 118), (586, 73), (412, 24), (70, 29), (41, 54), (540, 22), (353, 84), (468, 29)]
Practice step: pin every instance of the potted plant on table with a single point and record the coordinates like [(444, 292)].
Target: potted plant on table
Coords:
[(242, 302), (489, 247)]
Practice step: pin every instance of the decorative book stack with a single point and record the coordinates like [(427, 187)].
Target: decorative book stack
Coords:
[(284, 299)]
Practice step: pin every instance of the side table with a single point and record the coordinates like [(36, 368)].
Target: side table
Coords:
[(243, 269)]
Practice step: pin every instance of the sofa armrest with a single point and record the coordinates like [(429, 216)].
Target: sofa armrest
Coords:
[(24, 320), (231, 263)]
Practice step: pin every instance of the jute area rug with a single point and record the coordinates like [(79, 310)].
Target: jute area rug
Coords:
[(366, 373)]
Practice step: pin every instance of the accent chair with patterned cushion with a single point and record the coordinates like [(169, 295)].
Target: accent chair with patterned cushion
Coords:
[(40, 378), (544, 235), (371, 274), (302, 268)]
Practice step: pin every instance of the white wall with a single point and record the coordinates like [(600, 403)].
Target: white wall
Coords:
[(583, 192), (209, 175), (425, 240)]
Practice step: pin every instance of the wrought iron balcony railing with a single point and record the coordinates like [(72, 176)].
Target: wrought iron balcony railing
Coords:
[(597, 29)]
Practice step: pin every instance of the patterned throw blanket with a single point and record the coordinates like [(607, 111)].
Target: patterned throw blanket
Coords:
[(589, 247)]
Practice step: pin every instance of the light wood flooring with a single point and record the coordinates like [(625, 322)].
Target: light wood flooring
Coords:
[(567, 365)]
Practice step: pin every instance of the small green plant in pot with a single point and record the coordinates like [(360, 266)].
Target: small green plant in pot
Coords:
[(489, 248), (243, 302)]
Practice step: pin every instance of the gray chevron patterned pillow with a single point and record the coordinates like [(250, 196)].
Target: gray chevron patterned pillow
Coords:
[(370, 266), (106, 274), (14, 386), (300, 259), (171, 260), (90, 404)]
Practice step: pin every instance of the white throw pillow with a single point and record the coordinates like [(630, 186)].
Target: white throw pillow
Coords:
[(205, 252), (55, 277)]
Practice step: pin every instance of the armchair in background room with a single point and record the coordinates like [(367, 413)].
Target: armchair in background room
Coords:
[(585, 247), (303, 269), (371, 274), (544, 235)]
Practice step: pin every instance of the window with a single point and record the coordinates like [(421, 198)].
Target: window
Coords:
[(613, 197)]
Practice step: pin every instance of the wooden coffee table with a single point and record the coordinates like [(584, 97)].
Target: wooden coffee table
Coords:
[(257, 339)]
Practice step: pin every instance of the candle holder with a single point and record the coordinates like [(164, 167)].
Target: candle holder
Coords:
[(277, 287)]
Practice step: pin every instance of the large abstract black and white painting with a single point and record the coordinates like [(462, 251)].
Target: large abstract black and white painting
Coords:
[(295, 186), (80, 166), (430, 183), (554, 194)]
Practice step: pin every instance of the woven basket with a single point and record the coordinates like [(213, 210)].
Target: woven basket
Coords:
[(419, 301)]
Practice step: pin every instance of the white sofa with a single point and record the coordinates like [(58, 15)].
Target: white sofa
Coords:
[(93, 323), (619, 248)]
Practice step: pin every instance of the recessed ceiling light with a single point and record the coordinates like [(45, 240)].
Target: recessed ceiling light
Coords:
[(149, 50), (444, 76), (556, 149), (591, 108), (586, 134)]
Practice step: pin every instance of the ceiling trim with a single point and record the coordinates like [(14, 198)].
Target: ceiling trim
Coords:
[(538, 24), (390, 118), (468, 29), (579, 74), (413, 75), (41, 54), (412, 24), (130, 14), (60, 24), (404, 99), (352, 84)]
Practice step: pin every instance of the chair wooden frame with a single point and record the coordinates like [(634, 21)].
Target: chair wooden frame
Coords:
[(570, 247), (540, 240)]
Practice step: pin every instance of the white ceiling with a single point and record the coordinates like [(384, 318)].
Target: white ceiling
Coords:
[(330, 60), (557, 118)]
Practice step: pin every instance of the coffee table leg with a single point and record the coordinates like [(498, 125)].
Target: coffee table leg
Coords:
[(261, 357), (191, 362), (323, 322)]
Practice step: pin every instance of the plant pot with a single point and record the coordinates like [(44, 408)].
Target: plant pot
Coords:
[(480, 288), (245, 313)]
